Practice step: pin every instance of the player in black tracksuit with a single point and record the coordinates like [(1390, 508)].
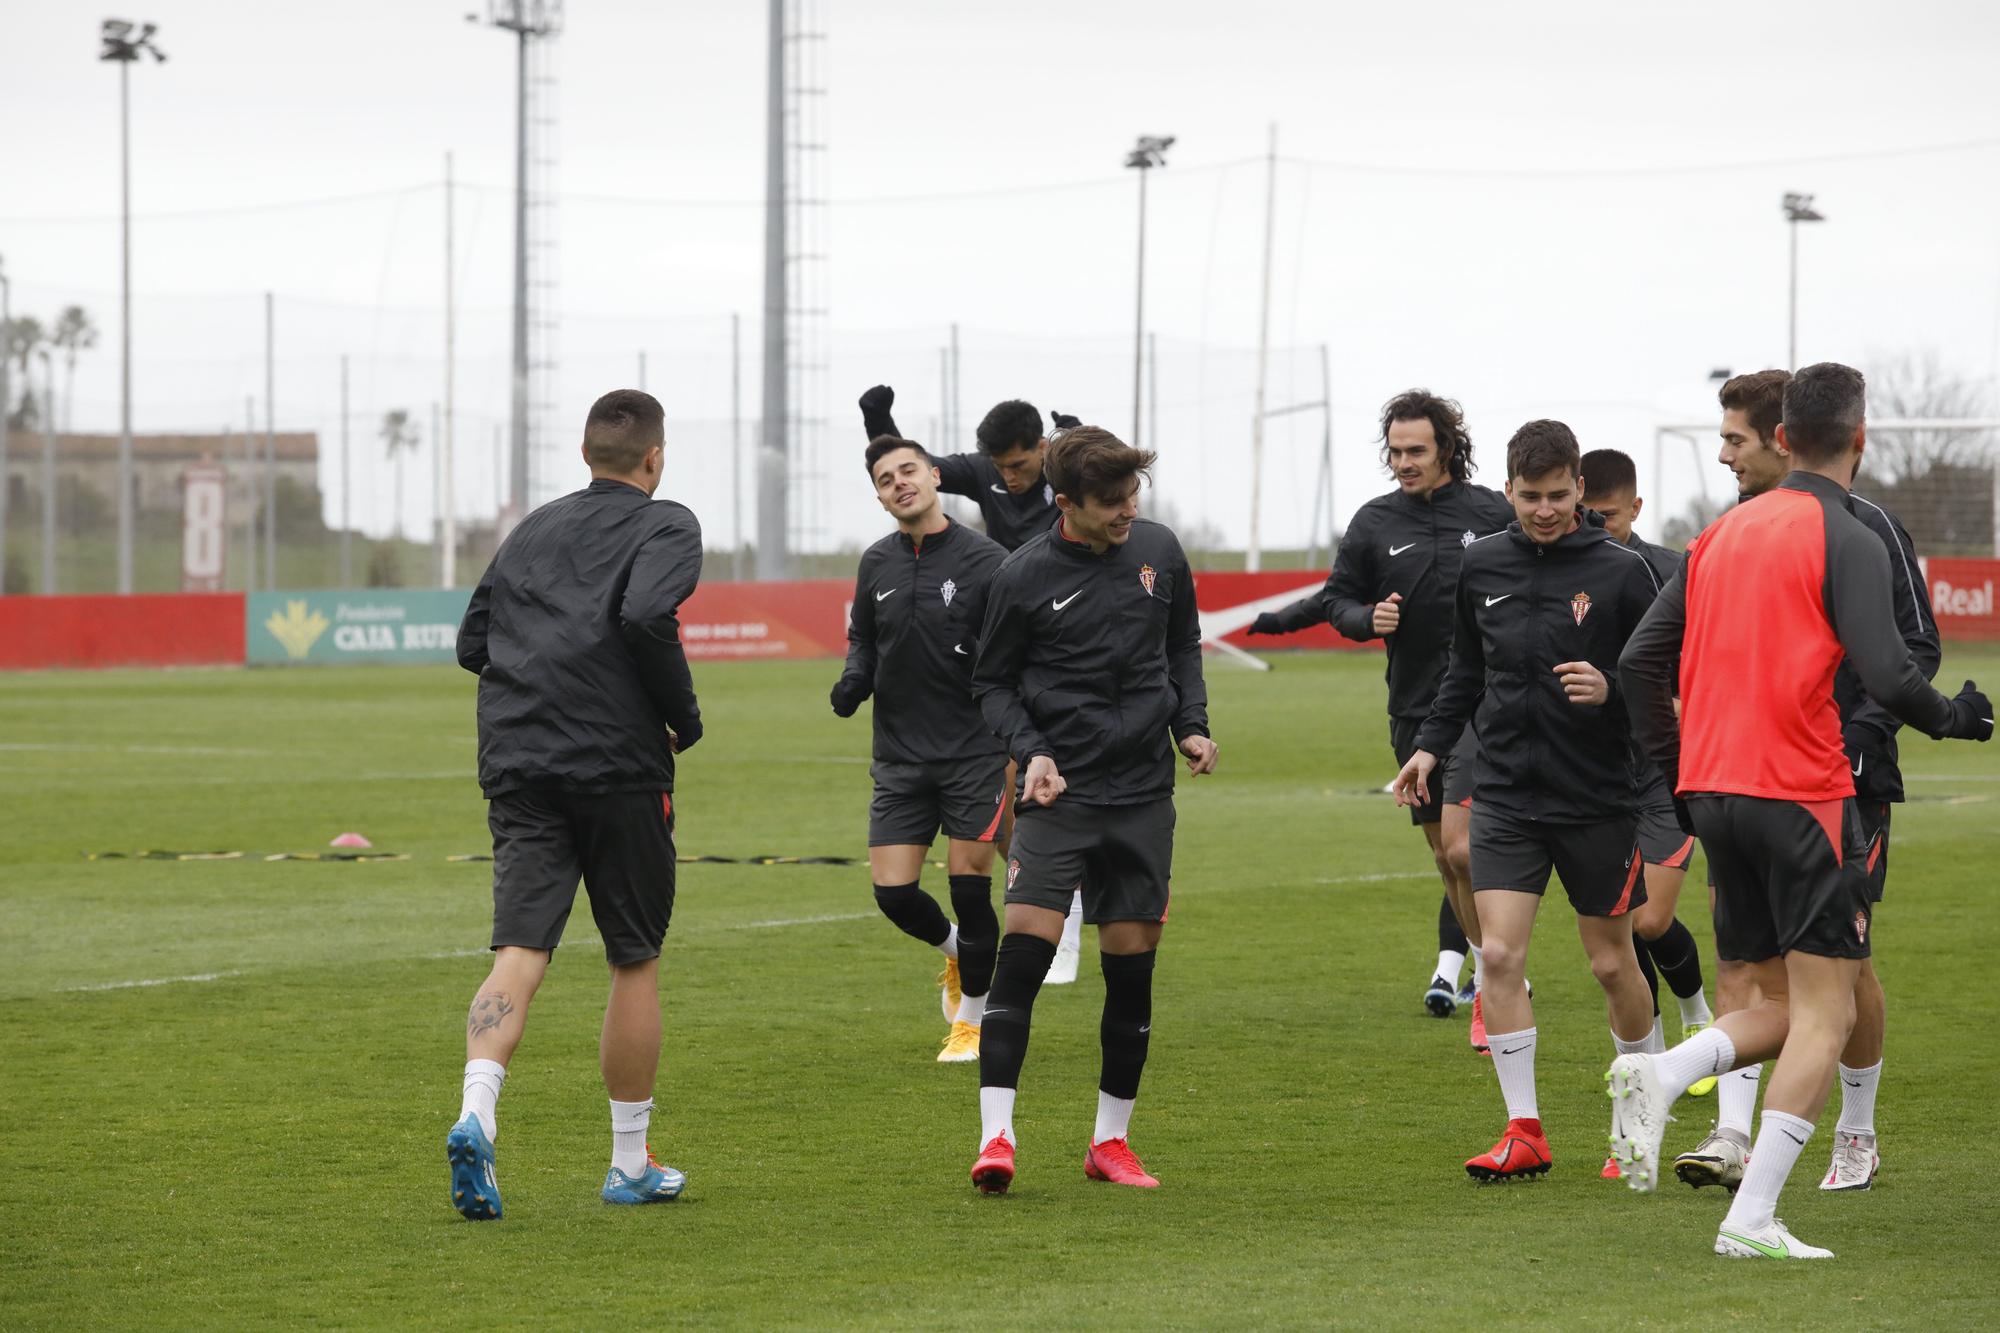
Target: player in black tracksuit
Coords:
[(919, 599), (1543, 610), (584, 700), (1090, 670), (1393, 579)]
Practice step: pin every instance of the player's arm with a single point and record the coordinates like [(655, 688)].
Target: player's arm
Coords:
[(1593, 684), (857, 678), (1190, 718), (875, 418), (960, 474), (1349, 594), (664, 574), (1648, 674), (1872, 727), (472, 630), (976, 593), (1860, 607), (996, 672), (1290, 619), (1464, 678)]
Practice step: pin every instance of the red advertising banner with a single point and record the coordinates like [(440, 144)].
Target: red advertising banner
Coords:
[(150, 630), (757, 621), (1962, 597)]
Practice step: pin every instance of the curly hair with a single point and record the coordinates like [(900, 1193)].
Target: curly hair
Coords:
[(1447, 420)]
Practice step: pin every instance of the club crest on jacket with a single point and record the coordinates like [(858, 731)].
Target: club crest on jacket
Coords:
[(1579, 606), (1147, 576), (946, 589)]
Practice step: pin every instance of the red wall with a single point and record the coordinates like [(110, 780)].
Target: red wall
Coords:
[(1962, 597), (167, 629)]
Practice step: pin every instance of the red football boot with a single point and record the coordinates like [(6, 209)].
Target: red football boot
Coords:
[(994, 1171), (1114, 1160), (1521, 1151), (1478, 1031)]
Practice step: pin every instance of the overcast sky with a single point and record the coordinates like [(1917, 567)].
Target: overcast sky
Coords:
[(1544, 209)]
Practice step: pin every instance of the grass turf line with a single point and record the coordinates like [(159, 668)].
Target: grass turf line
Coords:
[(266, 1147)]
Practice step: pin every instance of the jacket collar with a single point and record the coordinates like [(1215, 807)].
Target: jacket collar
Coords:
[(932, 540), (1814, 484), (1588, 532), (1060, 539)]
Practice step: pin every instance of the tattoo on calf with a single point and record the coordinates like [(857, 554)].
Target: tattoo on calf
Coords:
[(487, 1013)]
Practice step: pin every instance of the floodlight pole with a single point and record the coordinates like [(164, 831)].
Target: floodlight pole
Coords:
[(1798, 208), (736, 445), (774, 449), (346, 486), (1253, 556), (48, 473), (448, 534), (1149, 152), (270, 446)]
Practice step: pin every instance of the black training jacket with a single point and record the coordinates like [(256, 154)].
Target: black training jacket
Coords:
[(1521, 609), (1011, 520), (1095, 661), (1868, 730), (912, 637), (573, 634), (1411, 545)]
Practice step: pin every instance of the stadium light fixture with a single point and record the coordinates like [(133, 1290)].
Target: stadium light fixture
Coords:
[(124, 43), (1150, 151), (1798, 208)]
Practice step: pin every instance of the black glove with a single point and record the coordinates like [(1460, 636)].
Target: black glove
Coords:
[(1684, 816), (846, 698), (1867, 752), (688, 735), (1063, 420), (1971, 716), (1267, 622), (878, 399)]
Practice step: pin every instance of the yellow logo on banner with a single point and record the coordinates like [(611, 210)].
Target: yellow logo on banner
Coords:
[(297, 629)]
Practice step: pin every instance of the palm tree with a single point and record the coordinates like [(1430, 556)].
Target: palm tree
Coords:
[(25, 337), (74, 332), (401, 438)]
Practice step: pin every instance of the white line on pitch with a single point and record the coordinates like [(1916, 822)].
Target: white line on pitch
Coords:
[(148, 981), (798, 921), (1378, 879)]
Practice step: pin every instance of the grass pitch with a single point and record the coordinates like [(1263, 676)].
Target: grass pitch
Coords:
[(225, 1085)]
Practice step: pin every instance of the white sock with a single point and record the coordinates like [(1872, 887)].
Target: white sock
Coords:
[(1478, 970), (1450, 963), (996, 1115), (1114, 1118), (1656, 1040), (1857, 1099), (1694, 1009), (971, 1008), (482, 1093), (1514, 1061), (1779, 1143), (1072, 936), (950, 946), (1736, 1101), (628, 1135), (1639, 1047), (1708, 1053)]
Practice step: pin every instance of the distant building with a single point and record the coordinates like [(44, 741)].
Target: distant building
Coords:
[(158, 462)]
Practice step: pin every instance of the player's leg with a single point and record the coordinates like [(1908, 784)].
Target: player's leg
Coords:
[(1129, 877), (1440, 994), (903, 821), (972, 802), (1856, 1154), (1455, 842), (626, 845), (1507, 922), (1044, 866)]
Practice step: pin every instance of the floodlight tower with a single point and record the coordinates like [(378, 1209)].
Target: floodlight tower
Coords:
[(124, 43), (1149, 152), (534, 23), (1798, 208)]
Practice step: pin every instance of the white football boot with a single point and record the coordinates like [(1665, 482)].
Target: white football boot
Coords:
[(1771, 1242), (1855, 1162)]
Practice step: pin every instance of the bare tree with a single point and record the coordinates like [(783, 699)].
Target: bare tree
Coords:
[(400, 437), (1939, 482)]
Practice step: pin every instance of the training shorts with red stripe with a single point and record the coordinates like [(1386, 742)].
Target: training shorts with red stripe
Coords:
[(1662, 840), (1875, 825), (1790, 876), (965, 797), (1598, 862)]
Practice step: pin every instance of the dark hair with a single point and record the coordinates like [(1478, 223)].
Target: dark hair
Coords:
[(1608, 472), (882, 445), (1760, 397), (1009, 426), (1447, 420), (621, 427), (1824, 406), (1540, 447), (1087, 461)]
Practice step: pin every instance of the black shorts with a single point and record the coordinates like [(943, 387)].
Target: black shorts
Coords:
[(1875, 824), (1121, 856), (621, 844), (912, 801), (1789, 877), (1662, 840), (1599, 862), (1450, 783)]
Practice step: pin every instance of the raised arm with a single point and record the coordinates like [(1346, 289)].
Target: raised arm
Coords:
[(875, 418), (664, 574)]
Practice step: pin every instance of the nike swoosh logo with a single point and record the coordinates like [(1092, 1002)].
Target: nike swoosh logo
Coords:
[(1067, 600), (998, 489), (1147, 1028), (880, 595), (1494, 601), (959, 648), (1398, 550), (1858, 763), (1506, 1151), (1515, 1051), (1768, 1251), (1793, 1137), (1850, 1083)]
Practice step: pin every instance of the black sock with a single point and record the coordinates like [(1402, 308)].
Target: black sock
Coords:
[(978, 931), (1451, 936), (1678, 959), (1645, 953), (1010, 1006), (1127, 1025), (915, 912)]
